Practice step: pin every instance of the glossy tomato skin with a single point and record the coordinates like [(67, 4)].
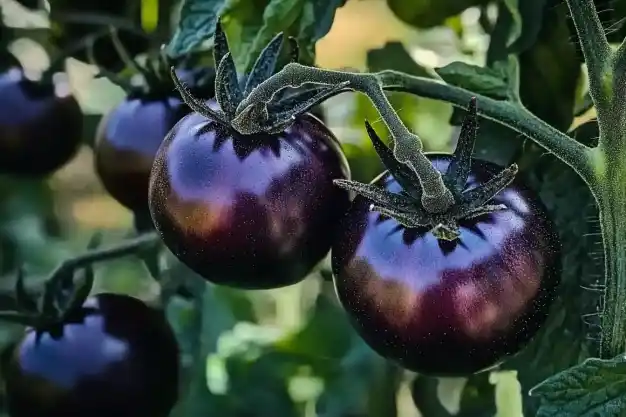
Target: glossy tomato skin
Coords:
[(449, 308), (251, 212), (117, 357), (40, 125), (127, 142)]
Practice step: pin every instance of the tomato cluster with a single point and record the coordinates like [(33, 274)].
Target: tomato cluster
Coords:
[(260, 211)]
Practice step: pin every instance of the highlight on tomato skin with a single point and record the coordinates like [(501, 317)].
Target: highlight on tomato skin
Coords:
[(40, 125), (449, 308), (114, 357), (253, 212), (127, 142), (129, 136)]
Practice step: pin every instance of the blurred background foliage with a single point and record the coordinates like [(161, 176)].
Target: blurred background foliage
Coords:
[(290, 352)]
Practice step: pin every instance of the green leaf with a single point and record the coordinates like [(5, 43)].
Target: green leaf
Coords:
[(481, 80), (454, 397), (530, 13), (596, 387), (196, 25), (198, 326), (516, 28), (278, 16), (428, 13), (550, 71), (549, 75), (250, 26), (394, 56)]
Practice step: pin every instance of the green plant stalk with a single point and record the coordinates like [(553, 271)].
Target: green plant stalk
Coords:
[(436, 198), (612, 208), (607, 77), (511, 115)]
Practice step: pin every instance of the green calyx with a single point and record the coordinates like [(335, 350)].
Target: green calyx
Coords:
[(272, 116), (62, 296), (407, 208)]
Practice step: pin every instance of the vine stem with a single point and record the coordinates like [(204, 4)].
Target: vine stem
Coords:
[(607, 81), (511, 115), (127, 247), (597, 52), (612, 211), (436, 197)]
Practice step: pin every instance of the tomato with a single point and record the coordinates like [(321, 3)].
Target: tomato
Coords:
[(40, 125), (127, 141), (115, 357), (449, 308), (129, 137), (251, 212)]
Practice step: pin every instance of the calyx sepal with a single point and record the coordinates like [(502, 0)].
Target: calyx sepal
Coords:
[(62, 296), (406, 207)]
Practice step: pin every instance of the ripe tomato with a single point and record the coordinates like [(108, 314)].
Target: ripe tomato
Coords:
[(248, 211), (40, 125), (449, 308), (129, 137), (115, 357), (127, 141)]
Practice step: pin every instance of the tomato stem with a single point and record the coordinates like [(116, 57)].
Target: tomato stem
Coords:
[(408, 147), (512, 115), (612, 208), (596, 50)]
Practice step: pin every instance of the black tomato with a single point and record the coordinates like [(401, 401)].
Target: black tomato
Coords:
[(115, 357), (40, 125), (248, 211), (449, 308), (129, 136), (127, 141)]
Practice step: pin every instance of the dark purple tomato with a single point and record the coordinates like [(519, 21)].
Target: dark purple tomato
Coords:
[(127, 141), (449, 308), (115, 357), (40, 125), (248, 211), (129, 137)]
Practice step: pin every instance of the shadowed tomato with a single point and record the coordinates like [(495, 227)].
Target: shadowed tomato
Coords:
[(129, 137), (127, 141), (40, 125), (248, 211), (449, 307), (115, 357)]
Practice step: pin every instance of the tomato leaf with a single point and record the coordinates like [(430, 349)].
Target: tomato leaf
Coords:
[(394, 56), (550, 71), (196, 25), (516, 28), (531, 15), (596, 387), (250, 26), (427, 13), (30, 4), (454, 397), (481, 80)]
